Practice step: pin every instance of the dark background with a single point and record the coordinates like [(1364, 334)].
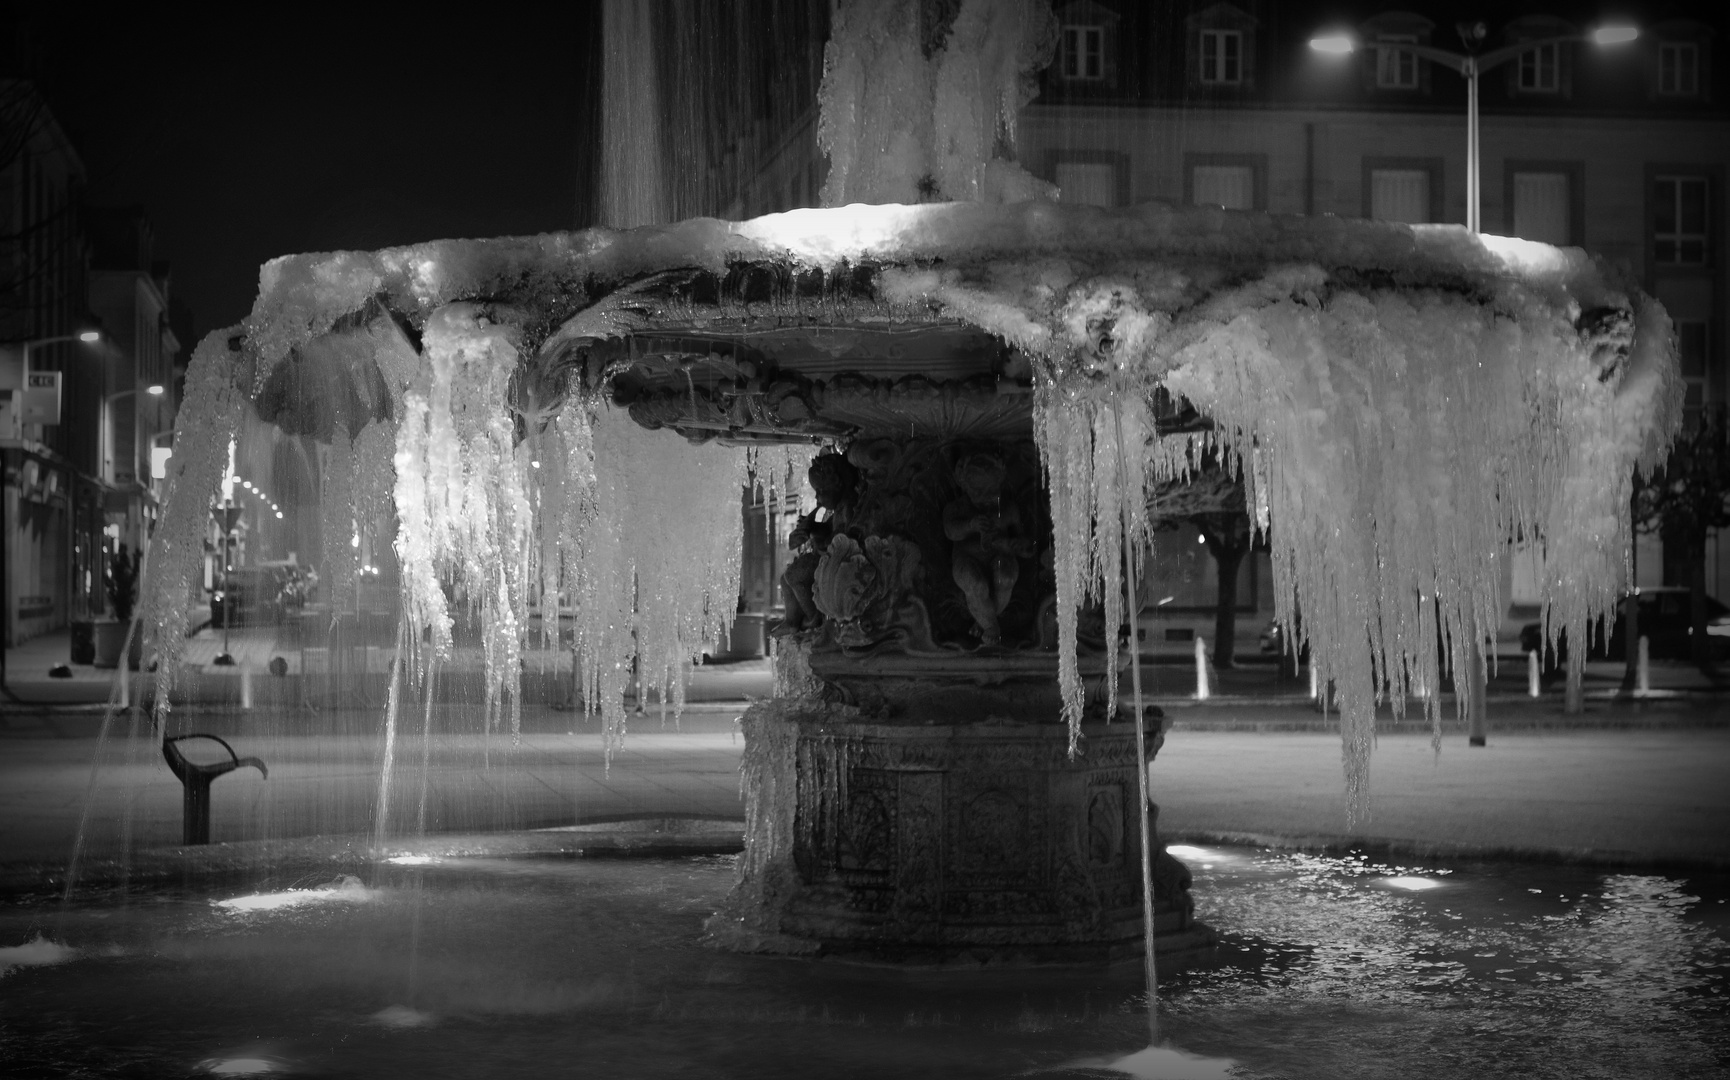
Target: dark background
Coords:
[(256, 131)]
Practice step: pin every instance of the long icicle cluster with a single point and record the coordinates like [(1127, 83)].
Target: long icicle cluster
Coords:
[(462, 509), (1076, 428), (209, 417)]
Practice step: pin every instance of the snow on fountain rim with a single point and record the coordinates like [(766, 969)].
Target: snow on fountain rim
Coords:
[(301, 296)]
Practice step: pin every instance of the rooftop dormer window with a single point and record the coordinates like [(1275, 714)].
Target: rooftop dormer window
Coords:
[(1221, 57), (1387, 68), (1678, 69), (1086, 44), (1396, 69), (1083, 52), (1541, 69), (1221, 39)]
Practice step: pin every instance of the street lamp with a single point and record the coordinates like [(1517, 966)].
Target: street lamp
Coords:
[(1470, 65), (154, 390)]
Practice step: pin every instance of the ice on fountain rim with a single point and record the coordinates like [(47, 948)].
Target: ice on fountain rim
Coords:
[(301, 296)]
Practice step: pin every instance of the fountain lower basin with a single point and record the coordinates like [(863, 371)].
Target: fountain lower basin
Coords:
[(520, 966)]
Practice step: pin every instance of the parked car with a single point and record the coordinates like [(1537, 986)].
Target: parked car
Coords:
[(1665, 622), (250, 594)]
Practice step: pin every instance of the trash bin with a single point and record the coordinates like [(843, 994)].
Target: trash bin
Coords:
[(83, 641)]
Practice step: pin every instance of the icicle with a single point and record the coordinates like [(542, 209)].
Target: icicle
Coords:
[(659, 567), (208, 419), (338, 526)]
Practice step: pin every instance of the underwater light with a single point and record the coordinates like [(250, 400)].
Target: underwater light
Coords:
[(1410, 884), (239, 1067), (1186, 851), (347, 889)]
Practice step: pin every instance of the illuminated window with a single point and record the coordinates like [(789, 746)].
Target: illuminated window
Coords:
[(1089, 183), (1678, 69), (1400, 195), (1679, 221), (1396, 69), (1542, 209), (1230, 186), (1221, 57), (1083, 52), (1540, 69)]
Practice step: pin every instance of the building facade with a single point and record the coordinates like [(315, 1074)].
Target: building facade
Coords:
[(89, 369), (50, 382), (1618, 148), (129, 296)]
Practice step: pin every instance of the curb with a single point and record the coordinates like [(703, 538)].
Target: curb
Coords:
[(315, 859)]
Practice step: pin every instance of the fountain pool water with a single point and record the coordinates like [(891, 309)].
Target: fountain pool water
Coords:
[(1330, 967)]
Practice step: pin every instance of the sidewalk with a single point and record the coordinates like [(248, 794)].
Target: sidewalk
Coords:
[(1653, 797), (315, 677), (1169, 679)]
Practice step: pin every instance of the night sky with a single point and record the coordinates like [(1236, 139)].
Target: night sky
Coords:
[(251, 136), (271, 131)]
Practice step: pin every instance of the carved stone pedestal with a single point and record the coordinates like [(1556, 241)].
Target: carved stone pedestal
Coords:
[(944, 843)]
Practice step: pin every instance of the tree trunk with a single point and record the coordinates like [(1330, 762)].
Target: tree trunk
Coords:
[(1228, 558), (1698, 641)]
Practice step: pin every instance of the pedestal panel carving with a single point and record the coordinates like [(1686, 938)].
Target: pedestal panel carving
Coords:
[(945, 843)]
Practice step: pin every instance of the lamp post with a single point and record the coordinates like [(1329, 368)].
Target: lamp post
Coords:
[(89, 337), (155, 390), (1470, 65)]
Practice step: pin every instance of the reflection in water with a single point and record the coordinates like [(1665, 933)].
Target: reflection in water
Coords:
[(508, 966)]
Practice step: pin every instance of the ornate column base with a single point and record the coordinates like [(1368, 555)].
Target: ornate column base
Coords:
[(944, 844)]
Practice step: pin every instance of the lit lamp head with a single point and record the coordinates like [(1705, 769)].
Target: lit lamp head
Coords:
[(90, 337), (1337, 43), (1615, 35), (154, 389)]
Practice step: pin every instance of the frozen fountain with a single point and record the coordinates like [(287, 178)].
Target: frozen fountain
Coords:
[(979, 395), (982, 394)]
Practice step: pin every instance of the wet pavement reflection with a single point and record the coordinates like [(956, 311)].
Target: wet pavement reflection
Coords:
[(1330, 967)]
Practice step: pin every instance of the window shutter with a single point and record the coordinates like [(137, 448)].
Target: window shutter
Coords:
[(1400, 195), (1089, 183), (1541, 210), (1230, 186)]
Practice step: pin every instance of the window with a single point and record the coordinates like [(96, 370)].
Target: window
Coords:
[(1678, 68), (1400, 195), (1230, 186), (1679, 221), (1090, 183), (1083, 52), (1542, 207), (1397, 69), (1540, 69), (1691, 354), (1221, 57)]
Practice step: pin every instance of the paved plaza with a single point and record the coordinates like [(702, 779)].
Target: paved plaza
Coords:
[(1634, 780)]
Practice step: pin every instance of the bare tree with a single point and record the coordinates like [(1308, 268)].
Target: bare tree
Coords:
[(1685, 502)]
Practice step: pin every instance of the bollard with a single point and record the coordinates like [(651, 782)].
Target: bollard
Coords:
[(1643, 673), (1202, 690), (1315, 691), (1534, 687), (195, 783), (245, 685)]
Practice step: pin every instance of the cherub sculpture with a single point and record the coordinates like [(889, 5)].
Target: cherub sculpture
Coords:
[(989, 541), (836, 483)]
